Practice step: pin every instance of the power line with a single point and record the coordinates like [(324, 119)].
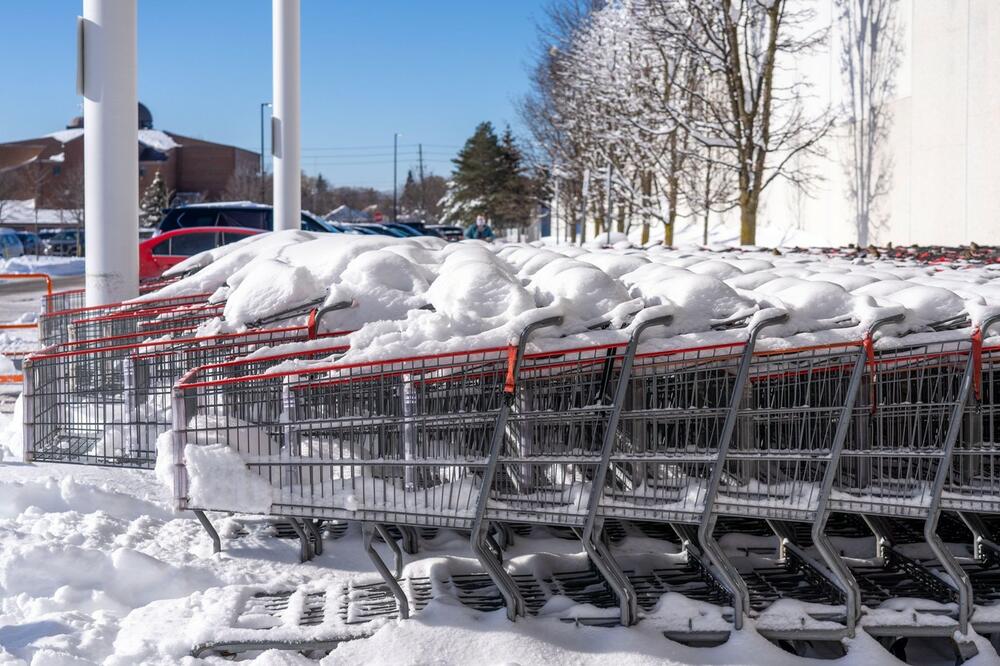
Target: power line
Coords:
[(378, 147)]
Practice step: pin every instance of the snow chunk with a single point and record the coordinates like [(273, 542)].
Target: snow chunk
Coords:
[(219, 478), (270, 288), (474, 292)]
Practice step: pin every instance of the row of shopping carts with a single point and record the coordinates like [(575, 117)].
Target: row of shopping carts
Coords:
[(834, 480)]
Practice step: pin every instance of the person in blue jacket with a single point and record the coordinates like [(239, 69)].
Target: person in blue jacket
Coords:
[(479, 230)]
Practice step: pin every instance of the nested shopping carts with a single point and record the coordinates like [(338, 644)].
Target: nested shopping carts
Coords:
[(54, 326), (464, 440), (815, 441), (808, 450), (971, 495), (104, 401)]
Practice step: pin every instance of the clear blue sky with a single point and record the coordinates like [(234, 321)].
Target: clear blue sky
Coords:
[(429, 69)]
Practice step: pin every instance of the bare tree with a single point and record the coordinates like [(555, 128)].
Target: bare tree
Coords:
[(245, 185), (34, 177), (760, 123), (870, 53), (8, 189)]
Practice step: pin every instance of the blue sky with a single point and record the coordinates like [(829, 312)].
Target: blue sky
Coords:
[(429, 69)]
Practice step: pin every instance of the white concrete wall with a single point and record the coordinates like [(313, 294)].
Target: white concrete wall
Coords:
[(945, 139)]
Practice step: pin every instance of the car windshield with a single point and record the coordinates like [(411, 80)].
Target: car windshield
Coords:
[(404, 230), (310, 222)]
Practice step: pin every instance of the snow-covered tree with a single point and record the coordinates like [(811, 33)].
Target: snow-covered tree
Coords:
[(154, 200), (665, 91), (870, 53)]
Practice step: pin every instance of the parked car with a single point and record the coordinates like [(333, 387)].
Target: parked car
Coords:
[(66, 243), (405, 229), (233, 214), (161, 252), (10, 244), (446, 231), (380, 229), (344, 228), (30, 241)]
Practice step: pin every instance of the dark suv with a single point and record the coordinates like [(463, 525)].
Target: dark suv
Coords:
[(239, 214)]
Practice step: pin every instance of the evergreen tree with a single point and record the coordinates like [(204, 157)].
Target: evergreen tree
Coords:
[(477, 177), (322, 187), (489, 180), (514, 200), (154, 200), (410, 201)]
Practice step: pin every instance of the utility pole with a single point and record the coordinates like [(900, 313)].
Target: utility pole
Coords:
[(423, 191), (263, 190), (395, 162)]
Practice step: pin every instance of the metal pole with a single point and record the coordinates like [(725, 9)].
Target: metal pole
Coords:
[(286, 144), (395, 152), (423, 193), (607, 205), (106, 78), (263, 190)]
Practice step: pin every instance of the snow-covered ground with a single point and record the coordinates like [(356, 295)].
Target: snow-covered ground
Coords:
[(96, 568), (51, 266)]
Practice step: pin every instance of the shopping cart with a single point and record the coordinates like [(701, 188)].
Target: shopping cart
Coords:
[(106, 403), (971, 492), (72, 299), (892, 470), (665, 448), (398, 442), (148, 321), (53, 326), (792, 421)]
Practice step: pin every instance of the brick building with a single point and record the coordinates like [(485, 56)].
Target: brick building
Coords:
[(49, 169)]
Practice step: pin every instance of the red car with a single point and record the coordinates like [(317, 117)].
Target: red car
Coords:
[(159, 253)]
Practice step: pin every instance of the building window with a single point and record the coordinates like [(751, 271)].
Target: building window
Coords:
[(56, 170), (142, 171)]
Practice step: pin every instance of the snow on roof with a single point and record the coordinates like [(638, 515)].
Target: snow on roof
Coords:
[(345, 213), (155, 139), (22, 211), (66, 135), (228, 204)]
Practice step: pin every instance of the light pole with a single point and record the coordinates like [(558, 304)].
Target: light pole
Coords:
[(106, 78), (395, 161), (286, 147), (263, 194)]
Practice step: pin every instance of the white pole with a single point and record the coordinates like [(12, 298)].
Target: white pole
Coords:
[(286, 141), (111, 150)]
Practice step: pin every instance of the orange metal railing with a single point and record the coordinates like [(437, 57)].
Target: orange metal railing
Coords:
[(17, 379)]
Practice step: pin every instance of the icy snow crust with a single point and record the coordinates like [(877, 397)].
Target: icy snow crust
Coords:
[(424, 296)]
